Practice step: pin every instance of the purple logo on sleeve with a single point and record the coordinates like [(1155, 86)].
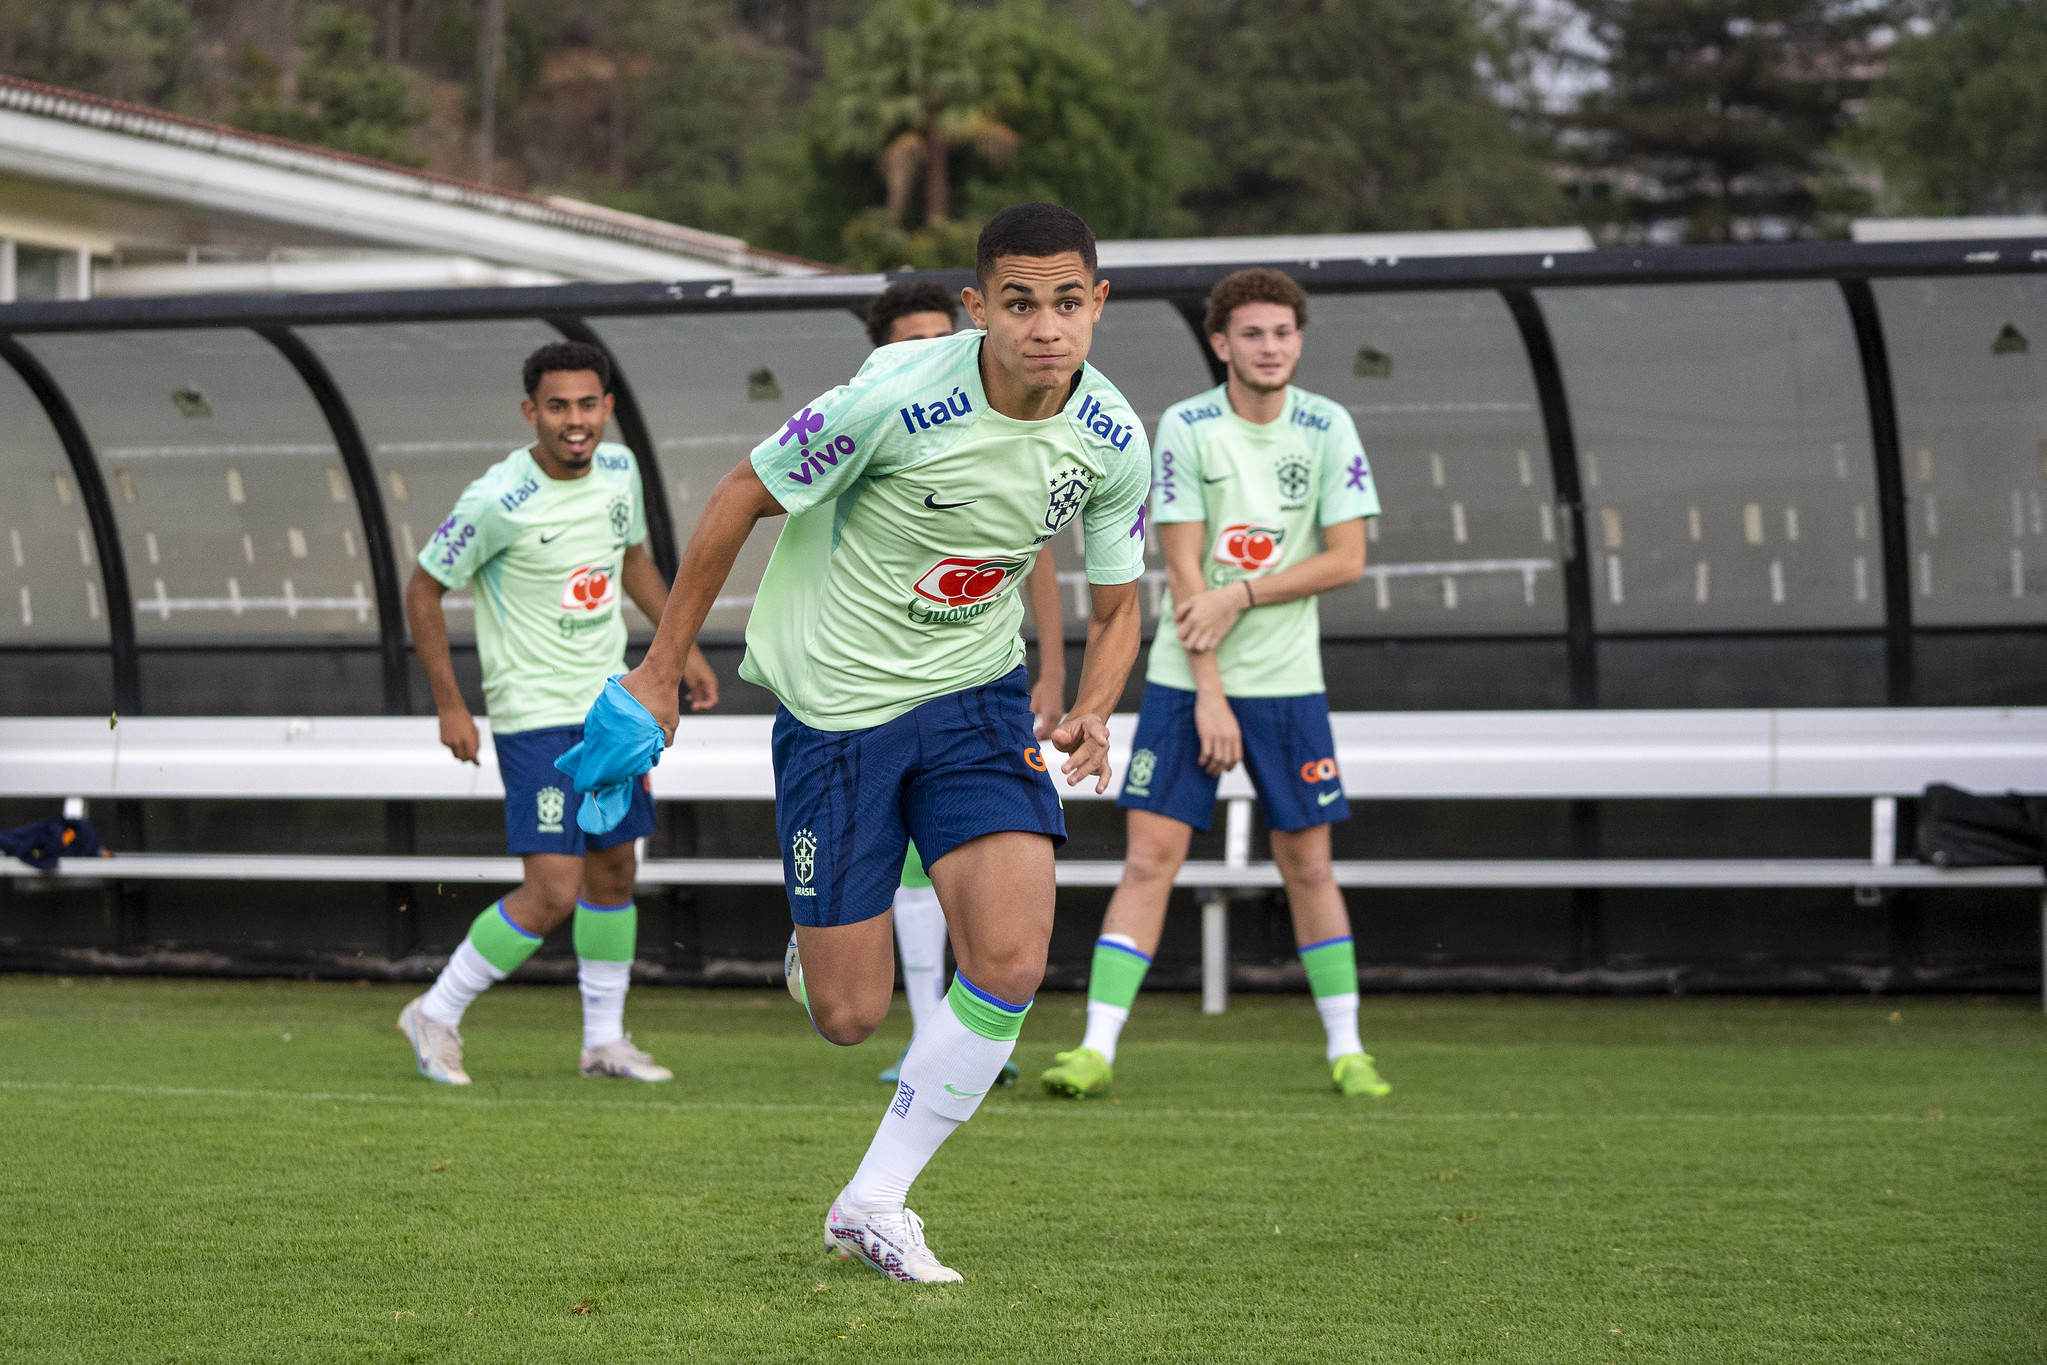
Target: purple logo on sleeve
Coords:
[(802, 426), (1137, 527), (1358, 473)]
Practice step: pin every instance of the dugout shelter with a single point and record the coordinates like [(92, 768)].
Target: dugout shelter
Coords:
[(1760, 482)]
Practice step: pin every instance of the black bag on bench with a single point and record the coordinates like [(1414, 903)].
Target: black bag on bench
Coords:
[(1961, 829)]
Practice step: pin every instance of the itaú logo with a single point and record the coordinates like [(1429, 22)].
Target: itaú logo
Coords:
[(962, 582), (590, 588), (1248, 545)]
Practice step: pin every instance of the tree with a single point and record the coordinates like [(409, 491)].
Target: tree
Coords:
[(919, 79), (1347, 115), (1959, 121), (1090, 124), (1720, 112), (141, 50), (346, 97)]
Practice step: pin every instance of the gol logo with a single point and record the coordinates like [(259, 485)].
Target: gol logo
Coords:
[(1319, 770), (1248, 545), (590, 588), (1034, 758), (960, 582)]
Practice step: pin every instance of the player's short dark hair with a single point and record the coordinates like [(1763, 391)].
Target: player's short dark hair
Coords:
[(1257, 285), (901, 300), (566, 355), (1033, 230)]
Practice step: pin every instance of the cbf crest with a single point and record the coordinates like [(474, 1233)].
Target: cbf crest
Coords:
[(1294, 479), (548, 805), (1063, 503), (803, 853), (1142, 764), (621, 514)]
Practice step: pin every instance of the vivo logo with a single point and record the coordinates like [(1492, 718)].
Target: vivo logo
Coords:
[(822, 454)]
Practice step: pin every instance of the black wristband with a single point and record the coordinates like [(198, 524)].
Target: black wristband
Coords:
[(1249, 597)]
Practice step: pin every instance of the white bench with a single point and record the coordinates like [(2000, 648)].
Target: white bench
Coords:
[(1873, 754)]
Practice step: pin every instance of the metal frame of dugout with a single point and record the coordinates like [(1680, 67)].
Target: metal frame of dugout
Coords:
[(1530, 288)]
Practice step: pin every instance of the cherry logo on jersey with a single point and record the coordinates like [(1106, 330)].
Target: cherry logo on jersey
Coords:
[(961, 582), (1248, 545), (590, 588)]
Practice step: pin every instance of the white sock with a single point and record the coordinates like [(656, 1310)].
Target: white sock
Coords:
[(1340, 1020), (949, 1069), (604, 986), (920, 933), (1104, 1027), (467, 975)]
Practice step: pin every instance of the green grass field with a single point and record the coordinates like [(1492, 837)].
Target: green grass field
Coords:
[(200, 1171)]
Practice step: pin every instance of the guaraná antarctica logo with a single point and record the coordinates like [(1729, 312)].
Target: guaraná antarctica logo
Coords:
[(962, 587), (1249, 546)]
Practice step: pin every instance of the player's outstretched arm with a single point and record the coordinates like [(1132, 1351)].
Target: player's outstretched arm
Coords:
[(649, 591), (423, 613), (1113, 636), (739, 500), (1204, 618), (1048, 696)]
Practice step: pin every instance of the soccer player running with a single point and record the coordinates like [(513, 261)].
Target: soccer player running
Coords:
[(886, 624), (922, 311), (549, 537), (1246, 475)]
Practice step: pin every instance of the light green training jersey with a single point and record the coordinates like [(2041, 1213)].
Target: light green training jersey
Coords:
[(915, 509), (1266, 492), (546, 557)]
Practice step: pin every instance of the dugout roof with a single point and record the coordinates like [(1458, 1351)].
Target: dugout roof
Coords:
[(1838, 441)]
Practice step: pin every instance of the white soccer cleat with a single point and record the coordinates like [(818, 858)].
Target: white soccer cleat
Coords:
[(621, 1059), (890, 1240), (792, 975), (436, 1046)]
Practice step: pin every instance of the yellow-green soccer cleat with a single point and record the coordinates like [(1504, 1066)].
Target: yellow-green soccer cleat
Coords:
[(1082, 1071), (1355, 1075)]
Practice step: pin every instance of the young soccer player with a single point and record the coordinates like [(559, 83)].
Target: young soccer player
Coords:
[(1246, 476), (922, 311), (549, 537), (886, 624)]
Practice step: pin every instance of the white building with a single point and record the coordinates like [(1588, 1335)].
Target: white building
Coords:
[(99, 196)]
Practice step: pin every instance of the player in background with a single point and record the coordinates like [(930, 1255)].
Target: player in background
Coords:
[(886, 624), (1246, 476), (923, 311), (549, 537)]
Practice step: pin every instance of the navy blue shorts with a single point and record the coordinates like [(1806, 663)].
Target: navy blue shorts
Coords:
[(848, 802), (540, 803), (1288, 751)]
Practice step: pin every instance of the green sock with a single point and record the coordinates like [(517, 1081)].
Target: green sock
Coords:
[(1117, 973), (983, 1013), (503, 944), (607, 933), (1332, 967), (913, 869)]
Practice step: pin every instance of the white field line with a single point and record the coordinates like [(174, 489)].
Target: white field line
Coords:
[(1086, 1111)]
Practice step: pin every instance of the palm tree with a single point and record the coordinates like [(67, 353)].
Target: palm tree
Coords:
[(919, 79)]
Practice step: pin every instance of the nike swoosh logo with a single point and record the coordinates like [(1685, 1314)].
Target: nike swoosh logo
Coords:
[(1206, 479), (930, 501), (1326, 797), (556, 536), (963, 1094)]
